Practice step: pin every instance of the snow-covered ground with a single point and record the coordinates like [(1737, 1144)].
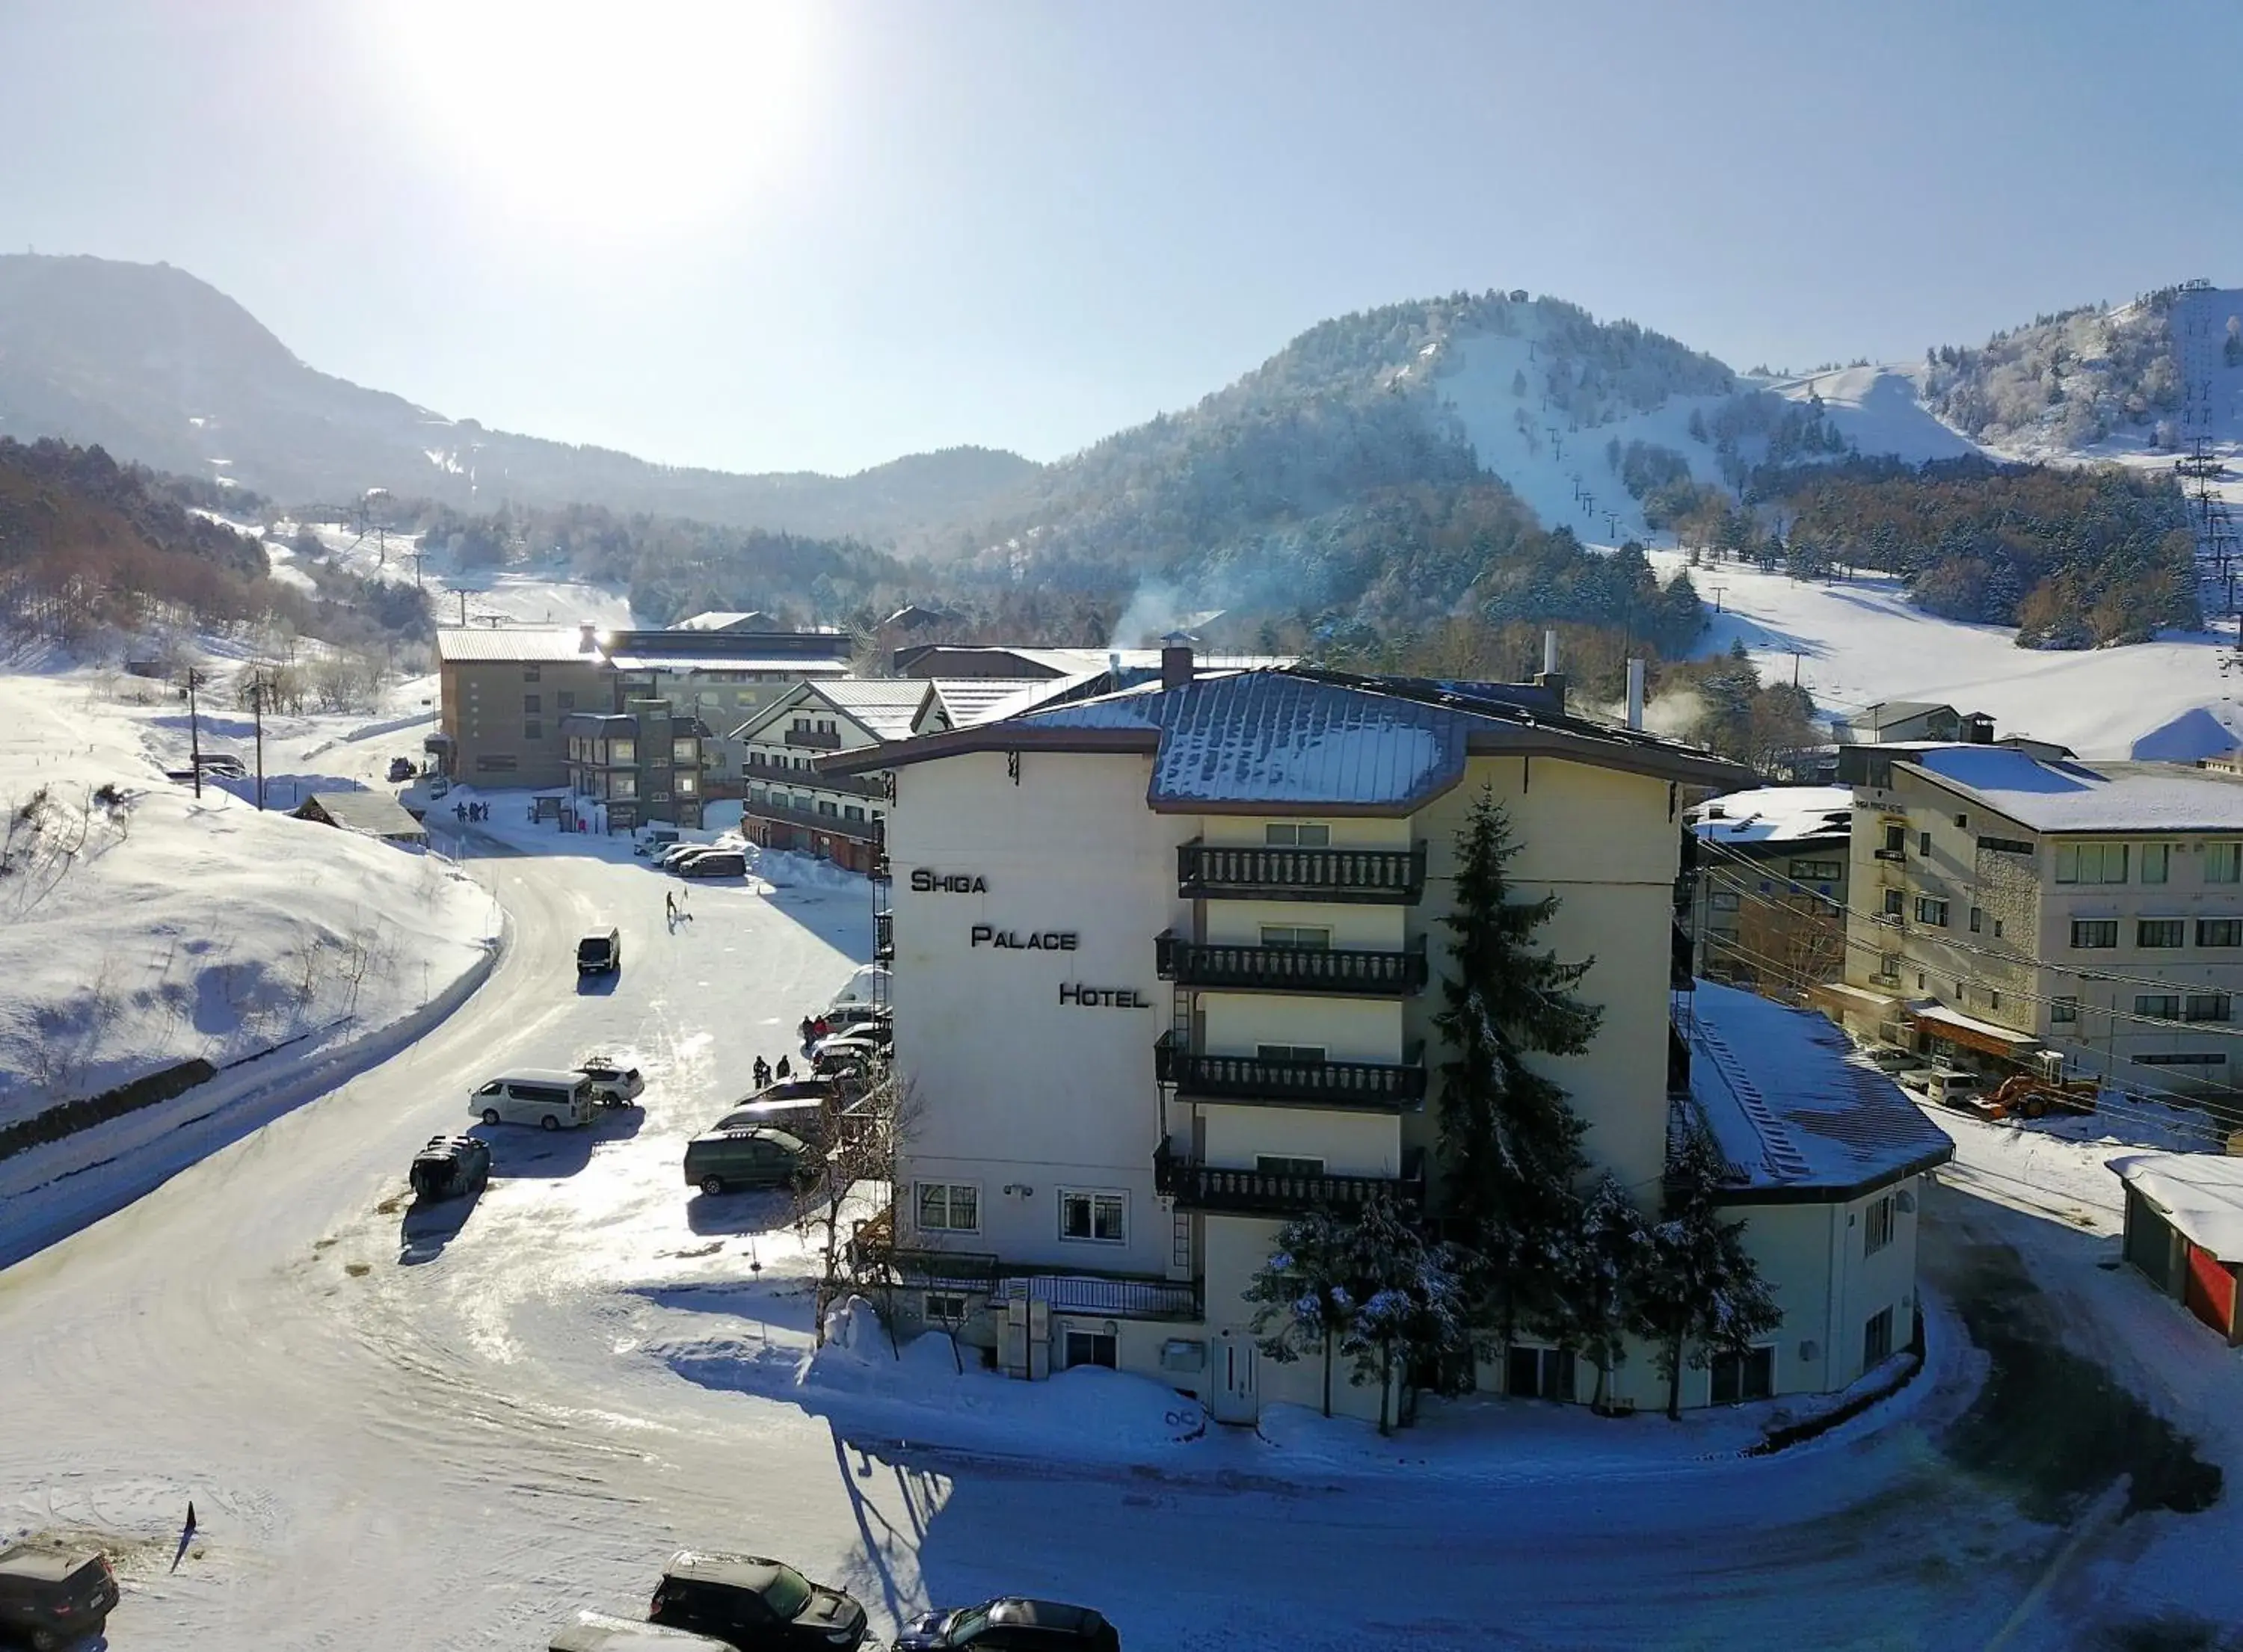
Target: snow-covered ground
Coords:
[(140, 927), (1859, 641)]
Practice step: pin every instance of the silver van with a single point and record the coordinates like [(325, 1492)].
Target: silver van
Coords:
[(597, 1632), (545, 1097), (1950, 1087)]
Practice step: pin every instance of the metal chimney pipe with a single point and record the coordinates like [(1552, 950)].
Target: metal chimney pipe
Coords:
[(1635, 694), (1550, 653)]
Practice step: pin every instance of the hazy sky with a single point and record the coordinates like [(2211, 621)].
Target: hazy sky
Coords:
[(820, 236)]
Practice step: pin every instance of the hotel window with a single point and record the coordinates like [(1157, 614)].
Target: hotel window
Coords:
[(1817, 871), (2063, 1013), (2206, 1007), (2163, 1006), (688, 785), (1278, 1165), (943, 1308), (1877, 1226), (1978, 920), (1537, 1373), (827, 806), (1087, 1347), (1299, 938), (1290, 1054), (1296, 835), (949, 1207), (1923, 842), (533, 731), (1876, 1339), (1724, 900), (2219, 931), (1896, 840), (491, 763), (530, 673), (2156, 863), (1895, 902), (852, 811), (2094, 931), (1929, 908), (2090, 862), (2191, 1059), (1739, 1377), (2223, 863), (1963, 821), (1099, 1217), (2161, 932)]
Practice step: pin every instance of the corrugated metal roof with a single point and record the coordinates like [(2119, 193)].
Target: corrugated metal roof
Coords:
[(376, 813), (885, 706), (1791, 1107), (967, 700), (745, 661), (499, 644)]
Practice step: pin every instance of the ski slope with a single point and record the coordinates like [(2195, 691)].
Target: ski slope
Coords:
[(1858, 641)]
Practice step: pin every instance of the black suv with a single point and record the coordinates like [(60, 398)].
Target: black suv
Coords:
[(755, 1605), (54, 1597), (450, 1165), (1014, 1625), (601, 954)]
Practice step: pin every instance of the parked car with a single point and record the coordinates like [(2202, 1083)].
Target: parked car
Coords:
[(597, 1632), (869, 983), (841, 1017), (1950, 1087), (804, 1120), (614, 1084), (653, 838), (833, 1056), (600, 953), (754, 1605), (450, 1166), (541, 1096), (810, 1087), (720, 1160), (1029, 1626), (668, 858), (53, 1597), (718, 862), (401, 769), (1891, 1058)]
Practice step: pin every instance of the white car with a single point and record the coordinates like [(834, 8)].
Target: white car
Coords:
[(615, 1083)]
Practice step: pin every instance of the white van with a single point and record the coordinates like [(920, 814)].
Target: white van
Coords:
[(1950, 1087), (545, 1097)]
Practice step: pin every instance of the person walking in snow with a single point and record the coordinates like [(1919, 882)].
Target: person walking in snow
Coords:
[(784, 1069), (808, 1030), (763, 1073), (670, 909)]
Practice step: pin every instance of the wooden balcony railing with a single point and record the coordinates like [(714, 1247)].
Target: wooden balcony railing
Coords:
[(1342, 1086), (1284, 969), (1272, 872)]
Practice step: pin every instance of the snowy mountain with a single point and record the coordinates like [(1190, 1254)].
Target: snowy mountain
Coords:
[(160, 367)]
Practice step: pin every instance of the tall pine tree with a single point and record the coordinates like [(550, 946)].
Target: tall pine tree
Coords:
[(1702, 1293), (1304, 1293), (1511, 1144), (1412, 1310), (1603, 1281)]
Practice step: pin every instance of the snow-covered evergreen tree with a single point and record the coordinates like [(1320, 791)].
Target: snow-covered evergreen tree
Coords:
[(1702, 1293), (1603, 1279), (1511, 1146), (1305, 1296), (1411, 1302)]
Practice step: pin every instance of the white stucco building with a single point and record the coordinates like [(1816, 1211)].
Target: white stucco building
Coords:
[(1166, 963)]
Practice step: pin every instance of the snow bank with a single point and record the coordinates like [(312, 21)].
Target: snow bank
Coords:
[(140, 927)]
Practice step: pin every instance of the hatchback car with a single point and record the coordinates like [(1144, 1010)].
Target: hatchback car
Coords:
[(754, 1605), (53, 1597), (401, 769), (720, 1160), (450, 1167), (1013, 1624), (614, 1084)]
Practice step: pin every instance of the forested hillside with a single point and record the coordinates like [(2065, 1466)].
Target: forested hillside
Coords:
[(86, 542)]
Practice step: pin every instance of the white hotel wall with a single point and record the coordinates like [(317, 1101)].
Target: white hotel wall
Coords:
[(1034, 1095)]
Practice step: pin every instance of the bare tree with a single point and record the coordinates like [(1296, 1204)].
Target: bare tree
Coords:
[(862, 1130)]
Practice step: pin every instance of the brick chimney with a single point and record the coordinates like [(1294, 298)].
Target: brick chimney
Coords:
[(1175, 659)]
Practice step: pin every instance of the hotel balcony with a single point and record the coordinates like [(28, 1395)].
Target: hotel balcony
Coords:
[(1249, 1081), (1285, 969), (1213, 1188), (884, 936), (814, 739), (1274, 872), (848, 785)]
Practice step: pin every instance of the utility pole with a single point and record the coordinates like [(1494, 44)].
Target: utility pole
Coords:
[(459, 591), (195, 734), (1796, 655), (1717, 590), (257, 711)]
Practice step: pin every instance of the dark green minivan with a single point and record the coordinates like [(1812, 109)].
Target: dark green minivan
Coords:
[(763, 1157)]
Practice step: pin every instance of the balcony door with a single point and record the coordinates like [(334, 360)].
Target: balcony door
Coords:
[(1234, 1396)]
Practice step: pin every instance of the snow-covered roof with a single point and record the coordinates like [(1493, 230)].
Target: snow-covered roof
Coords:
[(1975, 1031), (1797, 1114), (723, 619), (1297, 739), (883, 707), (968, 699), (375, 813), (747, 660), (2201, 1194), (2071, 796), (1774, 814), (500, 644)]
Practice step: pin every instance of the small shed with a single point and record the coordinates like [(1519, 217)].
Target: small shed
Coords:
[(375, 814), (2185, 1229)]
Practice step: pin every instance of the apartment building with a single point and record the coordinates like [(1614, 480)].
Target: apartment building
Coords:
[(2013, 905), (1165, 971), (721, 675), (642, 763), (504, 693), (1769, 903)]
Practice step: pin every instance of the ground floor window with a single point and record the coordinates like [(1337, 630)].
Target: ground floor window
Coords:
[(949, 1207), (1085, 1214), (1739, 1377), (1537, 1373), (1090, 1347), (943, 1307), (1876, 1339), (493, 762)]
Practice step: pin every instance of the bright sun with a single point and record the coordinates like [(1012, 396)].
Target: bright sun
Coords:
[(625, 117)]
